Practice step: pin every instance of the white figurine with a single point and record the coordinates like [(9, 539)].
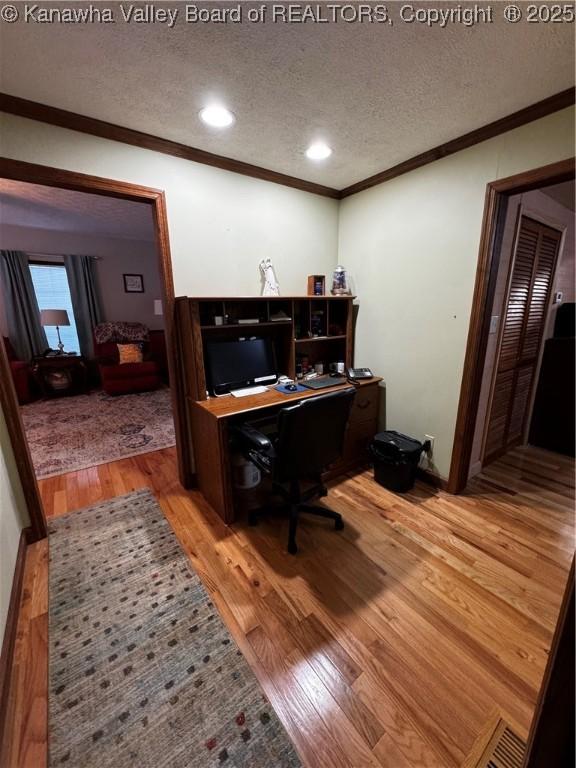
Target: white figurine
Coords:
[(270, 285)]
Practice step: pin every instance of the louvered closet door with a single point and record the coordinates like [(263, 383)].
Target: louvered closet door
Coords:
[(529, 292)]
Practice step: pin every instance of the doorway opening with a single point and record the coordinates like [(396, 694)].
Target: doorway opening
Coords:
[(527, 390), (92, 258), (524, 283)]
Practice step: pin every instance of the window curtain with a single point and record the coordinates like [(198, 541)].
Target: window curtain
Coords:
[(85, 300), (22, 313)]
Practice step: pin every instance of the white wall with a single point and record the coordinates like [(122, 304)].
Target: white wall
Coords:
[(13, 518), (412, 247), (220, 223), (130, 257), (116, 257), (542, 208)]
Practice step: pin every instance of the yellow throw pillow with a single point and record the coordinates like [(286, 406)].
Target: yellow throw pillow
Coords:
[(129, 353)]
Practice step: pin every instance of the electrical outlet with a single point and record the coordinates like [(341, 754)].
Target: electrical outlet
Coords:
[(431, 439)]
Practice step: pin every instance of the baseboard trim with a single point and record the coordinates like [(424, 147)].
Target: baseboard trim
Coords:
[(475, 469), (10, 630), (431, 479)]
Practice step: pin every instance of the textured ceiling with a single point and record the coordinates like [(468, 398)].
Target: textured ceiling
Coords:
[(39, 207), (377, 93), (562, 193)]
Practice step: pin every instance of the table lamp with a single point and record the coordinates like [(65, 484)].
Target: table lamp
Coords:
[(55, 317)]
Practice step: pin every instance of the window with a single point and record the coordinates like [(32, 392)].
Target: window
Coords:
[(52, 292)]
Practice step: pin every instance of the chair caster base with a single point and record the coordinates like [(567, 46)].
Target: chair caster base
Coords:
[(339, 525), (292, 548)]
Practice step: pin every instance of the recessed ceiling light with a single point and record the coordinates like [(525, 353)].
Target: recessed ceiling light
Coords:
[(217, 117), (318, 151)]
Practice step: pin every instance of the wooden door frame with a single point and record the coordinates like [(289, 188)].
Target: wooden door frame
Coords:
[(495, 205), (22, 458), (55, 177)]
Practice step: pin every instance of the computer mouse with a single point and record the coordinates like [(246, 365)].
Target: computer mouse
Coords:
[(291, 387)]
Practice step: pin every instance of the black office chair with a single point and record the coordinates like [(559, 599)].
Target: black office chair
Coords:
[(309, 437)]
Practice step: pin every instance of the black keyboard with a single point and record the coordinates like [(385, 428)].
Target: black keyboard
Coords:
[(322, 382)]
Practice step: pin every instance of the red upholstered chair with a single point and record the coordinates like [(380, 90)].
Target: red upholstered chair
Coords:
[(125, 378), (21, 374)]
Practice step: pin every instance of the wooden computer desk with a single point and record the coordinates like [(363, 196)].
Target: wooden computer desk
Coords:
[(314, 329), (210, 432)]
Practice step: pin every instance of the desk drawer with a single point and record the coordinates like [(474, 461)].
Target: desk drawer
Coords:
[(358, 438), (365, 405)]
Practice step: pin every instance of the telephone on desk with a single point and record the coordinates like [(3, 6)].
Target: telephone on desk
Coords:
[(359, 374)]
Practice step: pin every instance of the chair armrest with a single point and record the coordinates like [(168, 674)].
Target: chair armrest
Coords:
[(250, 439)]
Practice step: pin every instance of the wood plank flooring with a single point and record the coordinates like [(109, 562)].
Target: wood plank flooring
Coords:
[(388, 644)]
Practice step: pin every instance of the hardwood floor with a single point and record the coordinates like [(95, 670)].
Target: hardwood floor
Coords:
[(388, 644)]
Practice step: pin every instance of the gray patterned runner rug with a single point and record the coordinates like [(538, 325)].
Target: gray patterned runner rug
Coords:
[(143, 671)]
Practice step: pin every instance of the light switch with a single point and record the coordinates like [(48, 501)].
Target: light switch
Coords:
[(494, 323), (558, 297)]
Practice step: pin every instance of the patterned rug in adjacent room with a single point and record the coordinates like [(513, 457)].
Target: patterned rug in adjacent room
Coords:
[(70, 433), (143, 672)]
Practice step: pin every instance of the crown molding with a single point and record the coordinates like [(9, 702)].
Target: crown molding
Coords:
[(32, 110), (43, 113), (515, 120)]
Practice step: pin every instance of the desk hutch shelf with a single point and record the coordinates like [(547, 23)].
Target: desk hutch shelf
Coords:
[(309, 329)]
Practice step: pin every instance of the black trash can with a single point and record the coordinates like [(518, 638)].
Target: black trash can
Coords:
[(396, 458)]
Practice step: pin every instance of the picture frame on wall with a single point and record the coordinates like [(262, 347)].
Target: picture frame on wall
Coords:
[(133, 283)]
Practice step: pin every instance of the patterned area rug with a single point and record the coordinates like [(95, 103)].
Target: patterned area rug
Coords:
[(143, 672), (71, 433)]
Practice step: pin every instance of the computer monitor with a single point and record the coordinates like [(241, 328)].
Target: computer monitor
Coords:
[(237, 364)]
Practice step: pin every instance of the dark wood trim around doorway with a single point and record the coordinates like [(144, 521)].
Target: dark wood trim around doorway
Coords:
[(496, 202), (55, 177), (11, 626), (22, 458)]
